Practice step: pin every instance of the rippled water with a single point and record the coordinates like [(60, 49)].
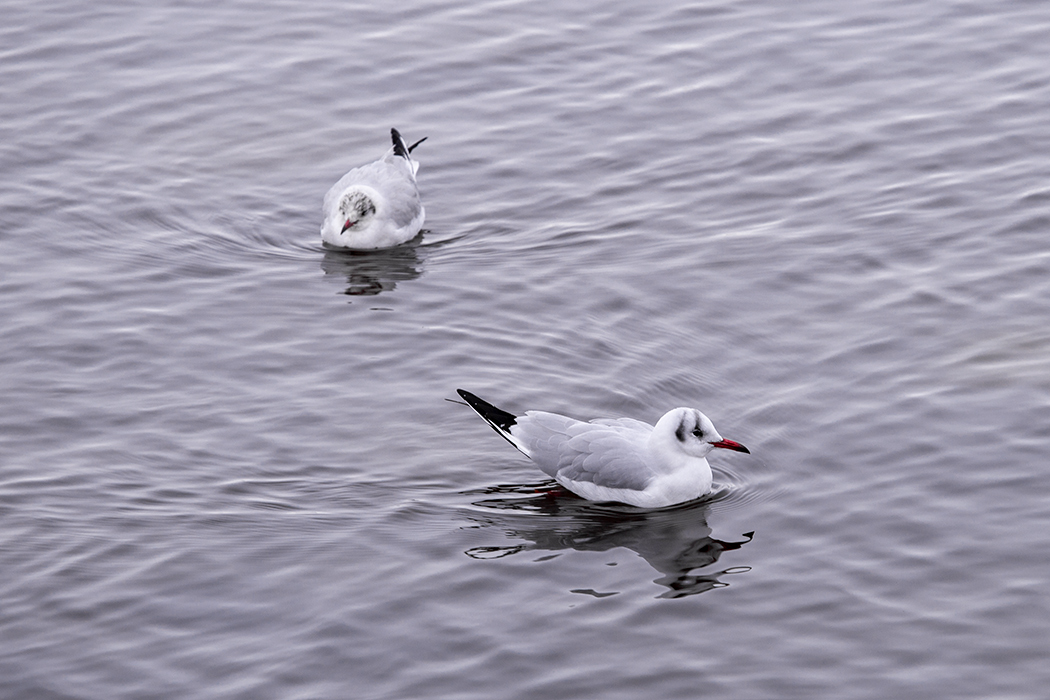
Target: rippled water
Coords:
[(227, 465)]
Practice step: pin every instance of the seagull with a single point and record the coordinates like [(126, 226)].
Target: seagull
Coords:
[(376, 205), (615, 459)]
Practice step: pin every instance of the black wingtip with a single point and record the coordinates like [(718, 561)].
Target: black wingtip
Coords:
[(400, 149), (496, 416)]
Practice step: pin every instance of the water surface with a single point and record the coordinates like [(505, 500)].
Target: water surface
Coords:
[(227, 466)]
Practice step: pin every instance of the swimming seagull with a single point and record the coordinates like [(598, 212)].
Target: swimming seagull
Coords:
[(616, 459), (376, 205)]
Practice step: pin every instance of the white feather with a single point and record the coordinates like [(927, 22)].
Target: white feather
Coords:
[(374, 206)]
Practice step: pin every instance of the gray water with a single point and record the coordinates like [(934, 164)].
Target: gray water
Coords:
[(227, 465)]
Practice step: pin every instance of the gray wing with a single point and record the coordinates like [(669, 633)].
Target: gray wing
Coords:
[(627, 425), (396, 179), (605, 452)]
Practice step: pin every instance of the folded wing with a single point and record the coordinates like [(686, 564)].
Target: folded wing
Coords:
[(607, 453)]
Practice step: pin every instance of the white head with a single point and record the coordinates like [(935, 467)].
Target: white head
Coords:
[(350, 218), (690, 431), (356, 210)]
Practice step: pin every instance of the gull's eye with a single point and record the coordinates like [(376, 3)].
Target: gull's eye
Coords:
[(699, 434)]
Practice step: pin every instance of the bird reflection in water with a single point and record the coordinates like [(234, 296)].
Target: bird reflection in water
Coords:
[(371, 272), (676, 541)]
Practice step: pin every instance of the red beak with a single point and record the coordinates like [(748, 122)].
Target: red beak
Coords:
[(731, 445), (347, 225)]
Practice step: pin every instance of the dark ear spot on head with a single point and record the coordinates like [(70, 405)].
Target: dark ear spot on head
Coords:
[(681, 432), (357, 205)]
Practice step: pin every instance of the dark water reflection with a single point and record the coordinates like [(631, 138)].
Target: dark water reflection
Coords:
[(675, 541), (373, 272)]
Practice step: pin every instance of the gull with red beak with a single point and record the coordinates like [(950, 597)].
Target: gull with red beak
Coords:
[(616, 459), (376, 205)]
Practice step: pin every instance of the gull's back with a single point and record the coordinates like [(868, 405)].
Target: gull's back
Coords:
[(605, 452)]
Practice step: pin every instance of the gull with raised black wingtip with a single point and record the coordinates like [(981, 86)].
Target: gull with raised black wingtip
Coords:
[(616, 459), (376, 205)]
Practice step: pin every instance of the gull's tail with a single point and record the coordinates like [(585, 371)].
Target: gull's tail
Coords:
[(500, 420)]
